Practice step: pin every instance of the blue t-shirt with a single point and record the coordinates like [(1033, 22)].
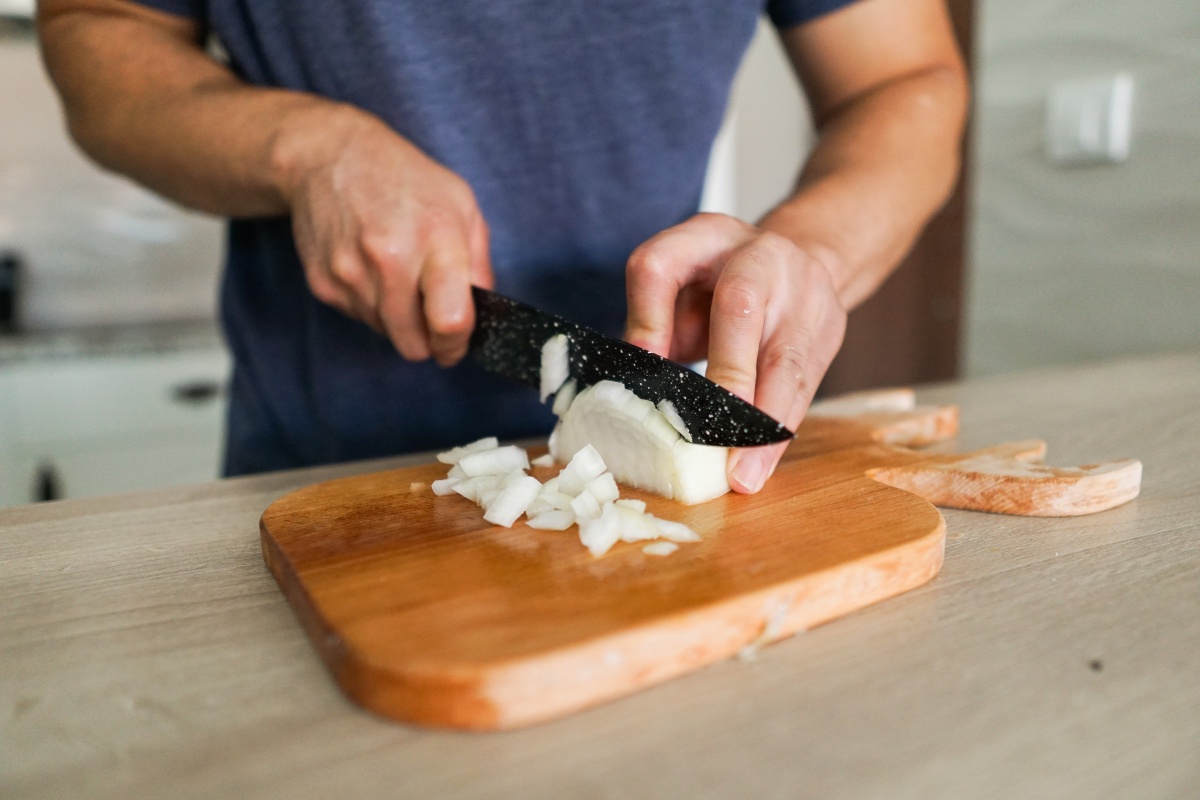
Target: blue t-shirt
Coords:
[(583, 129)]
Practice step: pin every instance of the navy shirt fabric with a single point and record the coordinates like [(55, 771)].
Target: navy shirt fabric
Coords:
[(583, 128)]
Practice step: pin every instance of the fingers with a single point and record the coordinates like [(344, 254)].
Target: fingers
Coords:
[(776, 326), (394, 239), (445, 290), (688, 254)]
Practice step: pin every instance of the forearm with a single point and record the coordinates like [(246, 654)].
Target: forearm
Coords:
[(883, 165), (143, 98)]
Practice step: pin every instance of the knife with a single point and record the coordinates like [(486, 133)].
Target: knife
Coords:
[(508, 339)]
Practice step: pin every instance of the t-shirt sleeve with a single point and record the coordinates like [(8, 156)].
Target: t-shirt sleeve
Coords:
[(786, 13), (182, 8)]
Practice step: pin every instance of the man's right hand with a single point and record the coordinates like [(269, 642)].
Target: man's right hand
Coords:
[(387, 235)]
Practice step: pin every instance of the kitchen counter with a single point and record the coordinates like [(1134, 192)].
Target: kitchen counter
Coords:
[(146, 651), (115, 340)]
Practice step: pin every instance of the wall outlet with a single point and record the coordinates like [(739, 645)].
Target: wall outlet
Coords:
[(1089, 121)]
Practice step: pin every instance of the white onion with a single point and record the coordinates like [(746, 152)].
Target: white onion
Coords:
[(671, 415), (585, 507), (500, 460), (444, 486), (453, 455), (552, 520), (584, 465), (660, 548), (546, 460), (512, 500), (639, 446), (556, 365), (604, 488), (583, 493), (563, 397), (474, 488)]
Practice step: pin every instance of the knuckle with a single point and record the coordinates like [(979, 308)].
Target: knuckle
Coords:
[(732, 375), (344, 266), (649, 264), (738, 296), (787, 361), (382, 248)]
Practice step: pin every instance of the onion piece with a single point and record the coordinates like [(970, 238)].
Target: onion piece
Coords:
[(510, 503), (474, 488), (660, 548), (546, 460), (552, 520), (584, 465), (444, 486), (603, 487), (564, 396), (671, 415), (454, 454), (556, 365), (675, 531), (499, 461), (599, 535), (639, 446), (586, 507)]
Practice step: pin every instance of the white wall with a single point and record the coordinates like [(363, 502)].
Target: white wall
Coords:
[(1096, 262), (99, 250), (767, 133)]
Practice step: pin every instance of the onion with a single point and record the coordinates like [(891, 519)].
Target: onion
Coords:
[(583, 493), (660, 548), (552, 520), (500, 460), (563, 397), (511, 502), (453, 455), (556, 364), (639, 445), (671, 415)]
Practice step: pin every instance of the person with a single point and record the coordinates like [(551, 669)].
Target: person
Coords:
[(377, 158)]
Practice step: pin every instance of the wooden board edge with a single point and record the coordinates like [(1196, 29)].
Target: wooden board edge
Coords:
[(515, 695)]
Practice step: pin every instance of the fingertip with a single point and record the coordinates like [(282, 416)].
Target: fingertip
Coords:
[(749, 468)]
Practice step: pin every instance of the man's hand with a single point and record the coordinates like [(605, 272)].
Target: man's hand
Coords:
[(888, 93), (387, 235), (762, 310)]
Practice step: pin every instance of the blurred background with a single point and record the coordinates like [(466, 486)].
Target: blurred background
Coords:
[(1074, 237)]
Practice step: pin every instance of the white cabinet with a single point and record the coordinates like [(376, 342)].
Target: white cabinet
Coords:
[(100, 424)]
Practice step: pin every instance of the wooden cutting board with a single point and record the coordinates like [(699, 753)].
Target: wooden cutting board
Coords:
[(425, 613)]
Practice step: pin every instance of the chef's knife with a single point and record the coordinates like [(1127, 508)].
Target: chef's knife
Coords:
[(508, 340)]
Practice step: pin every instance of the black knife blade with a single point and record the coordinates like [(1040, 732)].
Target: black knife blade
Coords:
[(508, 339)]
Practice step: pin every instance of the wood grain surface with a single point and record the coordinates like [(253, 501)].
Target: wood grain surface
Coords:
[(426, 613)]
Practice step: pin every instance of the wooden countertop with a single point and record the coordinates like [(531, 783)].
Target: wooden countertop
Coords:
[(146, 651)]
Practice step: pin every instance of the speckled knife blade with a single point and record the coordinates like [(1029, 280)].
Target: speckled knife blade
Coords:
[(508, 340)]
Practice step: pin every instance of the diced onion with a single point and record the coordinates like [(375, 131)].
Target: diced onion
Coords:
[(501, 460), (512, 501), (564, 396), (660, 548), (556, 364), (453, 455), (671, 415), (584, 493), (552, 520)]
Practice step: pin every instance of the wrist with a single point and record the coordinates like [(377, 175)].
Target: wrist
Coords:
[(310, 137)]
